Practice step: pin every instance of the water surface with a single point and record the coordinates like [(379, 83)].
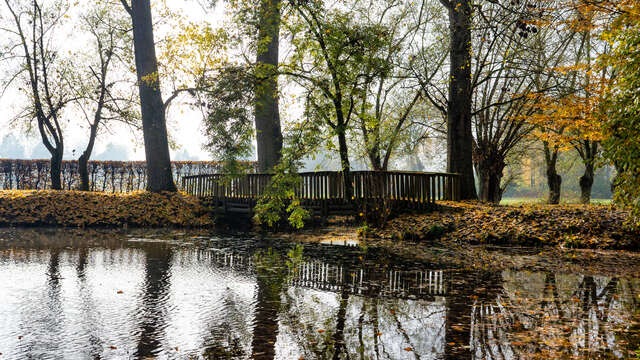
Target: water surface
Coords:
[(167, 295)]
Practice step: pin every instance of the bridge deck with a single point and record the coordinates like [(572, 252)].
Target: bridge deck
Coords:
[(324, 192)]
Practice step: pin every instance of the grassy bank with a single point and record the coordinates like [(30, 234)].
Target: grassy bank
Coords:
[(569, 226), (533, 200), (86, 209)]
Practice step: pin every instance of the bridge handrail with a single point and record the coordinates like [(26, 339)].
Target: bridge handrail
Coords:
[(412, 186)]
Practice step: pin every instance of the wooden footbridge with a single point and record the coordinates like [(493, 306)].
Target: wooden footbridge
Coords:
[(323, 193)]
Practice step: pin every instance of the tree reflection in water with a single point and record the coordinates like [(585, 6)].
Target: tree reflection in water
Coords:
[(320, 302), (271, 275), (558, 316), (152, 309)]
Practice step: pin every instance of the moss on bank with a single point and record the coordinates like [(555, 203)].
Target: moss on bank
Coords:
[(85, 209), (569, 226)]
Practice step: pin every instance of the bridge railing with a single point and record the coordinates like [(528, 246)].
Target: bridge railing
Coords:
[(415, 187)]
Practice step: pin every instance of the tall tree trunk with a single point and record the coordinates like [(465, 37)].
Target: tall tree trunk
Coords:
[(588, 151), (490, 172), (459, 136), (267, 114), (56, 168), (554, 180), (83, 160), (154, 127), (371, 139), (376, 161), (346, 166), (586, 182), (83, 171)]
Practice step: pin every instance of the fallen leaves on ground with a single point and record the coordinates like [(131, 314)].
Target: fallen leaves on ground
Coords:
[(570, 226), (85, 209)]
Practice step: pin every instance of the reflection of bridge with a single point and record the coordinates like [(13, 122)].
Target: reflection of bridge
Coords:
[(391, 283), (366, 281), (320, 270), (324, 192)]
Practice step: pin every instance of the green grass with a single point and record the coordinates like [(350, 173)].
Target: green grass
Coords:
[(525, 200), (520, 200)]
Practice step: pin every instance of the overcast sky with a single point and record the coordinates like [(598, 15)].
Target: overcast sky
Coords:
[(121, 144), (184, 123)]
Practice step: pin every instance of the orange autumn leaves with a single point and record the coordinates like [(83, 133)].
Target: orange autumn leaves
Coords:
[(80, 209), (571, 110), (569, 226), (563, 120)]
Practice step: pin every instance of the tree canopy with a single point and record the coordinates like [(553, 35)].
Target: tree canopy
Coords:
[(366, 84)]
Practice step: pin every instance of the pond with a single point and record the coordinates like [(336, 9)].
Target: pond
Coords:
[(168, 295)]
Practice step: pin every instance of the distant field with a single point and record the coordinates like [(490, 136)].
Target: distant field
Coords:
[(524, 200)]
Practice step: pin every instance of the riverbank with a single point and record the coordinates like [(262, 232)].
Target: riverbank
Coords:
[(567, 226), (464, 224), (454, 223), (96, 209), (586, 239)]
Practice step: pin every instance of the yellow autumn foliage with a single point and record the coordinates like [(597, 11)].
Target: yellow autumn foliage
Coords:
[(472, 222), (82, 209)]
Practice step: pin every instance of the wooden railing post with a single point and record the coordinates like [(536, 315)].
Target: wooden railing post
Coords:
[(324, 190)]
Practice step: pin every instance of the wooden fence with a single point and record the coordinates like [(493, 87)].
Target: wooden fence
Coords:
[(325, 191)]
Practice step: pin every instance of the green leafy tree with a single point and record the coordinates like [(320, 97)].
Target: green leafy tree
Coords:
[(333, 56), (622, 125), (392, 104), (227, 105)]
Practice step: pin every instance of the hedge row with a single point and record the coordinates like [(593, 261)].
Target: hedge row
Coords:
[(105, 176)]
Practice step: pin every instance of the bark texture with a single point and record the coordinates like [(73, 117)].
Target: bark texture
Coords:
[(588, 151), (154, 126), (554, 180), (490, 171), (346, 166), (267, 113), (459, 136), (56, 167), (83, 160), (586, 183)]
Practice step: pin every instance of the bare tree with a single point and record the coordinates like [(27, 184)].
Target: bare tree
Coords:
[(103, 96), (42, 71)]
